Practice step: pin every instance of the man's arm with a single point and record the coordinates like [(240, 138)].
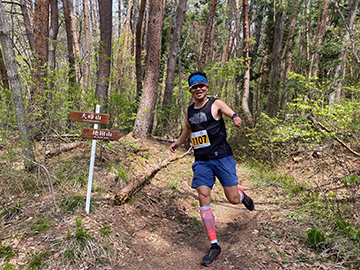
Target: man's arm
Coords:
[(184, 135), (220, 108)]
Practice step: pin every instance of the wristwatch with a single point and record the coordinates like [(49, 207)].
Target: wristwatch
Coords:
[(234, 115)]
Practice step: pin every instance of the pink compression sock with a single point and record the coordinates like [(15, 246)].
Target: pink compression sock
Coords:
[(241, 192), (209, 223)]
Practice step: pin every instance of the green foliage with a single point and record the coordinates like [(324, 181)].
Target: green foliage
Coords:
[(6, 252), (119, 170), (345, 227), (7, 266), (106, 230), (316, 238), (122, 111), (272, 138), (73, 202), (352, 180), (40, 225), (80, 235), (36, 260)]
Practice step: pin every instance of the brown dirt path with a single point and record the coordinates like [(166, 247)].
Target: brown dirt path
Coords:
[(160, 228)]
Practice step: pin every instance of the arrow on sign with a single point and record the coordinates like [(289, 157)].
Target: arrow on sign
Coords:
[(101, 134), (97, 118)]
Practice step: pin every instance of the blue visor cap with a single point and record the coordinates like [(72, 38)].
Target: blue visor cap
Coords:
[(197, 79)]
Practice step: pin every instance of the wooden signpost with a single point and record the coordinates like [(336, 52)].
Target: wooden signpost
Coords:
[(96, 118), (101, 134), (94, 134)]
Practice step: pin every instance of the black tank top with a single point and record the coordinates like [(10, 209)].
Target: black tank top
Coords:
[(208, 134)]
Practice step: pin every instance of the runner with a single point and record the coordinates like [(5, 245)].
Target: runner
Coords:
[(213, 155)]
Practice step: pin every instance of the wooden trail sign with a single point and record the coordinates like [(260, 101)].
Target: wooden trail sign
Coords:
[(94, 134), (101, 134), (87, 117)]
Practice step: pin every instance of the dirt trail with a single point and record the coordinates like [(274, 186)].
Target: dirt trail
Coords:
[(160, 228)]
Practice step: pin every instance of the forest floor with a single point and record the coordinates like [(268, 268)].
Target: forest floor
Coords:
[(158, 227)]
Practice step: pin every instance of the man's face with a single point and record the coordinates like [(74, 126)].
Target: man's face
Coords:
[(199, 91)]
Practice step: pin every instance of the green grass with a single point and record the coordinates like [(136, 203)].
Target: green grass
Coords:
[(36, 260), (331, 222), (40, 225), (73, 202)]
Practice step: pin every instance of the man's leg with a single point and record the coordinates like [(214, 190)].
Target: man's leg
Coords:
[(208, 219), (236, 195), (207, 216)]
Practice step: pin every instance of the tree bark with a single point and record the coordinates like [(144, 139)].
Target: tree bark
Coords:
[(27, 23), (16, 93), (288, 49), (102, 86), (138, 49), (41, 35), (207, 35), (169, 86), (320, 32), (70, 42), (145, 115), (87, 44), (168, 42), (246, 94), (339, 74), (4, 78), (53, 31), (273, 97), (70, 26)]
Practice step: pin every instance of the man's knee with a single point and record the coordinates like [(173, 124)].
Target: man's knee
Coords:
[(234, 199)]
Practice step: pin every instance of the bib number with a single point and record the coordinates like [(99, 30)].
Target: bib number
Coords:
[(200, 139)]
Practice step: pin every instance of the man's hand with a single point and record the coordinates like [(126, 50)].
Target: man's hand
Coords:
[(237, 121), (174, 146)]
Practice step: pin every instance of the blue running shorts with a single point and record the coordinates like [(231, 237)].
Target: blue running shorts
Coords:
[(206, 170)]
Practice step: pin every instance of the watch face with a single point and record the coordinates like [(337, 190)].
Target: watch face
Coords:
[(234, 115)]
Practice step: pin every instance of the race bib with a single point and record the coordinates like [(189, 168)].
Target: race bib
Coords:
[(200, 139)]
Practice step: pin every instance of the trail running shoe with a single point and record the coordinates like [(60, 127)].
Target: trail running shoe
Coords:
[(213, 254), (247, 201)]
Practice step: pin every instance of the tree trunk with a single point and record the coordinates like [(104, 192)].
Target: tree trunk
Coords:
[(238, 52), (87, 44), (70, 42), (207, 36), (288, 50), (70, 26), (166, 64), (27, 23), (4, 78), (41, 35), (339, 74), (145, 115), (257, 34), (13, 76), (53, 32), (138, 49), (320, 32), (101, 92), (169, 86), (125, 50), (273, 97), (246, 94)]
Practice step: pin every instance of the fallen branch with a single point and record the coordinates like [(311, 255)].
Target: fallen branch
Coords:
[(63, 148), (336, 138), (136, 183)]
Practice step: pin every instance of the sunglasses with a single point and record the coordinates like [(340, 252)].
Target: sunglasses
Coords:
[(198, 86)]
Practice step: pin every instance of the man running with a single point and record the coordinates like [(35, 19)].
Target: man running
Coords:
[(213, 155)]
